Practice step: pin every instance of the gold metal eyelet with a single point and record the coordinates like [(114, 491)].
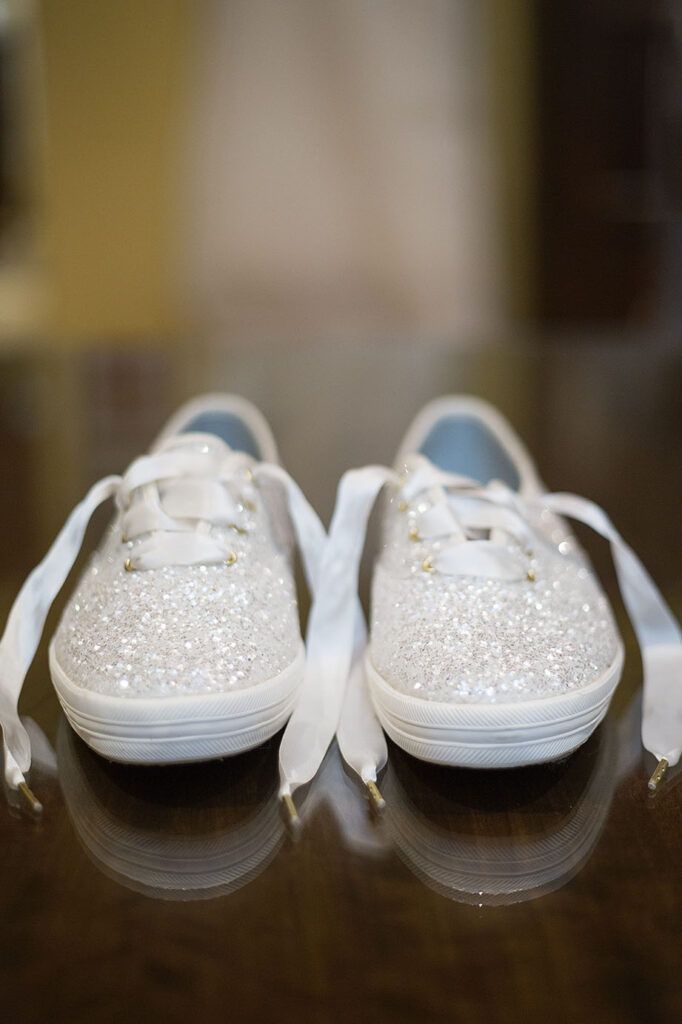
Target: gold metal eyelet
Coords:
[(238, 529), (124, 539), (248, 474), (427, 564), (414, 534), (403, 506), (128, 566), (530, 575), (231, 559)]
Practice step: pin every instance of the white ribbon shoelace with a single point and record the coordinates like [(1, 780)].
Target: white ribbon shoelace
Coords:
[(477, 525), (200, 490)]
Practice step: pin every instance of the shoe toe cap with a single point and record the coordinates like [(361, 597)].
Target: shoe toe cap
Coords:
[(465, 639), (178, 630)]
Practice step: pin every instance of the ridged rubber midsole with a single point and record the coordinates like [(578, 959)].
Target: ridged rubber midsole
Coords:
[(170, 729), (493, 735)]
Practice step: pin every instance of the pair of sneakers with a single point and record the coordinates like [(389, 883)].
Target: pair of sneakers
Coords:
[(491, 642)]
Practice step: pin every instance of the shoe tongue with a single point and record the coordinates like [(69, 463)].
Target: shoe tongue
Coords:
[(415, 461), (194, 442), (412, 462)]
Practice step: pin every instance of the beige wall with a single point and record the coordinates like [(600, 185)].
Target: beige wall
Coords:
[(115, 88), (132, 144)]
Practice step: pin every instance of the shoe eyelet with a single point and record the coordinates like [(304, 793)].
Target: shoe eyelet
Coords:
[(238, 529), (231, 559), (427, 564)]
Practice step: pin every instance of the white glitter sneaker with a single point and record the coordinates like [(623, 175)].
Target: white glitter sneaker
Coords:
[(492, 644), (182, 640)]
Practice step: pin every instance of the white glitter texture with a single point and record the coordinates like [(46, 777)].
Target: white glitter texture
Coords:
[(466, 639), (183, 629)]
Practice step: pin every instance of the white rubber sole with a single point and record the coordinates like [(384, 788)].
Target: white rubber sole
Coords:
[(176, 730), (506, 735)]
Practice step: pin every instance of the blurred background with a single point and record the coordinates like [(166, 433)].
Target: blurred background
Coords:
[(341, 208)]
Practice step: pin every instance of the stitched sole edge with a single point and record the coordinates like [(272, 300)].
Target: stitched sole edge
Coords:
[(506, 735), (177, 730)]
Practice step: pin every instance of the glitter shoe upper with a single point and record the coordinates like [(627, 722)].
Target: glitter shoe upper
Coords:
[(185, 629), (451, 638)]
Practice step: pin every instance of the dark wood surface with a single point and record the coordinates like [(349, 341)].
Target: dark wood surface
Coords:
[(544, 894)]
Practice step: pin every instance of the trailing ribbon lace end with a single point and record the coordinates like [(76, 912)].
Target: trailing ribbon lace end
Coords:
[(25, 626), (331, 636), (657, 630), (14, 779), (360, 737)]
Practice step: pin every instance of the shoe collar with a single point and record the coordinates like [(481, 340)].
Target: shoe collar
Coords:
[(466, 435)]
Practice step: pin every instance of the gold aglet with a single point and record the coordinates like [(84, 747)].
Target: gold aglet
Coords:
[(128, 566), (658, 773), (231, 559), (403, 506), (530, 575), (414, 534), (376, 799), (290, 812), (31, 799), (427, 564)]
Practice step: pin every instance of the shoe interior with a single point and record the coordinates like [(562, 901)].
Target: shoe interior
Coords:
[(229, 427), (466, 445)]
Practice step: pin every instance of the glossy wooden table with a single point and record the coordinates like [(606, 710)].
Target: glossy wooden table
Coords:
[(551, 893)]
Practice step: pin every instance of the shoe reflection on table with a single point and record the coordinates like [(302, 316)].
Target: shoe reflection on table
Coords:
[(199, 831), (179, 832), (502, 837)]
